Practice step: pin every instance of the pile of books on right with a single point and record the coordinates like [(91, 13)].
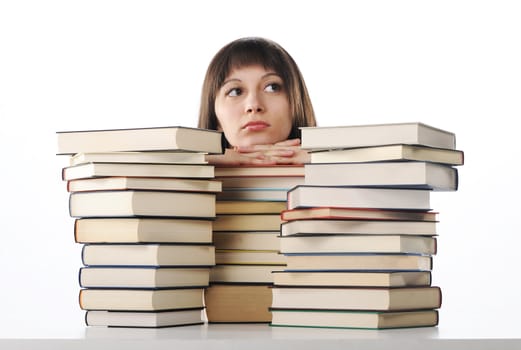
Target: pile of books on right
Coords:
[(360, 235)]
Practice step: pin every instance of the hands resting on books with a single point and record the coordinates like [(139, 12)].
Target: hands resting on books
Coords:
[(284, 152)]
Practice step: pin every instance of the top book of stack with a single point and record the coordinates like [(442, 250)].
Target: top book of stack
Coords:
[(171, 138), (415, 133)]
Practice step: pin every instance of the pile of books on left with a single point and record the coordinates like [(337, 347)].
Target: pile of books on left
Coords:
[(144, 204)]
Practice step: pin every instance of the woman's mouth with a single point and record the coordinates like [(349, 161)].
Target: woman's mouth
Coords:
[(256, 126)]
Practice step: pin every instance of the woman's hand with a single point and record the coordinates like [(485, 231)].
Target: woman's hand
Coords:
[(284, 152)]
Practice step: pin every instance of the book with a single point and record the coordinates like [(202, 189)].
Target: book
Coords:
[(389, 153), (144, 319), (143, 277), (404, 244), (249, 207), (141, 203), (143, 183), (330, 213), (142, 230), (238, 303), (260, 170), (280, 182), (378, 198), (249, 257), (369, 262), (247, 222), (88, 170), (139, 157), (349, 136), (352, 278), (253, 194), (247, 240), (243, 273), (169, 138), (356, 298), (366, 227), (431, 176), (171, 255), (141, 299), (354, 319)]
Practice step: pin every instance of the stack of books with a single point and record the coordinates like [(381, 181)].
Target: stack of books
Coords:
[(144, 204), (360, 235), (246, 238)]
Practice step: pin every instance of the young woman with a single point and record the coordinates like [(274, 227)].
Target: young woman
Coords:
[(254, 92)]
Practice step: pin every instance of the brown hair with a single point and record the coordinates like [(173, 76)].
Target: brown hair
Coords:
[(250, 51)]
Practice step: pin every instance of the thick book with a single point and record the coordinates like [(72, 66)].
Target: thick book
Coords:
[(243, 273), (329, 213), (141, 300), (259, 171), (130, 203), (354, 319), (424, 175), (238, 303), (366, 227), (143, 277), (247, 222), (249, 207), (389, 153), (143, 183), (357, 262), (282, 182), (253, 194), (139, 157), (353, 278), (247, 240), (385, 244), (169, 138), (148, 255), (89, 170), (349, 136), (356, 298), (144, 319), (142, 230), (305, 196), (249, 257)]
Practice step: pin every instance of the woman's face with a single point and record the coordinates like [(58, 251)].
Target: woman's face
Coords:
[(252, 107)]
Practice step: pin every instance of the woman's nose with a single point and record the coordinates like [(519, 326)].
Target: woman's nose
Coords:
[(254, 104)]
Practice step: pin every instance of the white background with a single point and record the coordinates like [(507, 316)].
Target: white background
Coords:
[(70, 65)]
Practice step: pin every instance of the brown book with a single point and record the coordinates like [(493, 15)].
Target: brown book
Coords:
[(238, 303), (282, 182), (247, 240), (243, 273), (249, 257), (249, 207), (351, 298), (247, 222)]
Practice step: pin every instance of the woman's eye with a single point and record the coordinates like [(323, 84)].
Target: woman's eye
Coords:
[(234, 92), (273, 87)]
